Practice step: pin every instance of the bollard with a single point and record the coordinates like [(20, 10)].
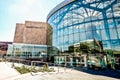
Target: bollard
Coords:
[(46, 65)]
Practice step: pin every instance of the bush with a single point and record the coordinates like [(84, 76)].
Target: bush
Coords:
[(25, 69), (22, 69)]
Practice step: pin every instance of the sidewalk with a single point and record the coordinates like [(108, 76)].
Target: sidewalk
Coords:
[(6, 71), (61, 74)]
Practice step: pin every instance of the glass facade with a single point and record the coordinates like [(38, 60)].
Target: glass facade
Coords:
[(92, 22), (27, 51)]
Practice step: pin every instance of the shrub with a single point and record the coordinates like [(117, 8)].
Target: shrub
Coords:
[(22, 69), (25, 69)]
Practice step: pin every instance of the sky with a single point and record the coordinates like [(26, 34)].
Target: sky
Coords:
[(18, 11)]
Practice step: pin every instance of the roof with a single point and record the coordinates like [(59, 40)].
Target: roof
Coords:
[(59, 6)]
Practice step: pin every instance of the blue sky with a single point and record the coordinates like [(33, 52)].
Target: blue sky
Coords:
[(17, 11)]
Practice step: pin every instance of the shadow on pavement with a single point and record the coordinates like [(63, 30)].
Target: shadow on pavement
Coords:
[(104, 72)]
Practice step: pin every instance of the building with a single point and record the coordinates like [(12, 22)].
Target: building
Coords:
[(87, 26), (31, 40), (33, 32), (27, 51), (3, 48)]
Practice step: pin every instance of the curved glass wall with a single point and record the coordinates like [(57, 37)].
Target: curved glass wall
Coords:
[(95, 23)]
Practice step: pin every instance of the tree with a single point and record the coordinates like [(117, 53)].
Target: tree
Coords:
[(84, 47)]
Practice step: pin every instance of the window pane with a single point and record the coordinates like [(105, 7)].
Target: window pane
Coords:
[(97, 35), (88, 26), (82, 36), (118, 22), (66, 40), (104, 34), (71, 38), (111, 24), (118, 29), (66, 31), (106, 45), (70, 30), (115, 44), (113, 34), (76, 37), (89, 35)]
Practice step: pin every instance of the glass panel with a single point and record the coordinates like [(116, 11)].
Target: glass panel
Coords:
[(82, 36), (115, 44), (62, 32), (111, 24), (101, 24), (113, 34), (109, 13), (76, 37), (66, 31), (104, 34), (89, 35), (61, 40), (81, 28), (76, 29), (118, 22), (66, 40), (71, 38), (97, 35), (65, 48), (116, 10), (57, 41), (88, 26), (106, 45), (118, 29), (59, 33), (93, 25), (70, 30)]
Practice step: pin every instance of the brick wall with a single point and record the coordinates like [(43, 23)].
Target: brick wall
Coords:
[(18, 37), (32, 33)]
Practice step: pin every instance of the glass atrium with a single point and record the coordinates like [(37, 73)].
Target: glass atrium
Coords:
[(86, 26)]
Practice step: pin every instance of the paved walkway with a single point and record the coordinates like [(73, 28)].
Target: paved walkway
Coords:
[(69, 74), (8, 73)]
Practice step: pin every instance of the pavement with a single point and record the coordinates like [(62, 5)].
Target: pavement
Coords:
[(6, 71), (61, 73)]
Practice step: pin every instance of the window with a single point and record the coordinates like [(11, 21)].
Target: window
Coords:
[(113, 33), (105, 34), (118, 29), (76, 37), (82, 36), (71, 38)]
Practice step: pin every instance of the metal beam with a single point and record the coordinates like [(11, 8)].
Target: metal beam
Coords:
[(109, 6), (88, 22), (62, 16)]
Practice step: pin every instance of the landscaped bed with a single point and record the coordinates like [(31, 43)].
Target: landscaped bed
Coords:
[(25, 69)]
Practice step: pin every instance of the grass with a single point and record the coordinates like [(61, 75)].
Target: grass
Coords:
[(24, 69)]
